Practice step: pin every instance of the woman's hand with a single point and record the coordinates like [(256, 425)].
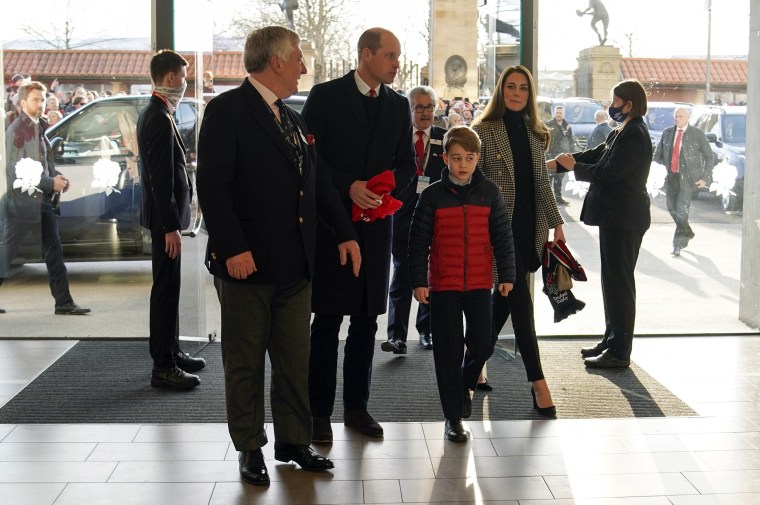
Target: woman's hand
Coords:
[(551, 164), (559, 234), (566, 160)]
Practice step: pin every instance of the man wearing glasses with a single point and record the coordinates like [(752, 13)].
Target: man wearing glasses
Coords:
[(427, 142)]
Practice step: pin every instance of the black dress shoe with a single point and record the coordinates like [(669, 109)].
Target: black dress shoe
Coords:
[(426, 341), (455, 431), (362, 421), (484, 386), (607, 360), (467, 405), (173, 378), (676, 251), (394, 346), (304, 455), (550, 412), (321, 432), (71, 309), (252, 467), (590, 352), (189, 363)]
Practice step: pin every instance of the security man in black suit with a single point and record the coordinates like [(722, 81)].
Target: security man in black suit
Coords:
[(166, 196), (362, 128), (427, 141), (686, 153)]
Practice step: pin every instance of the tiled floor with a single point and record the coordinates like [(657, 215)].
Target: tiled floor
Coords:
[(707, 460)]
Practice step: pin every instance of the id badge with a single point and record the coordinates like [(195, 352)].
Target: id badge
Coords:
[(423, 182)]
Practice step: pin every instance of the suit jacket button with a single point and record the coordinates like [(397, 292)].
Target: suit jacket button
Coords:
[(300, 220), (300, 193)]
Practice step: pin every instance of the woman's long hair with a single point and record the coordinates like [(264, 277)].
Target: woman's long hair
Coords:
[(496, 105)]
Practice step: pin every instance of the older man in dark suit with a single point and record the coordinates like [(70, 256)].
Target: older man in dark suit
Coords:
[(362, 128), (686, 153), (165, 211), (427, 140), (261, 189)]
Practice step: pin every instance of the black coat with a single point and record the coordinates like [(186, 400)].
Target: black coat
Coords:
[(695, 158), (617, 198), (166, 189), (253, 196), (352, 149)]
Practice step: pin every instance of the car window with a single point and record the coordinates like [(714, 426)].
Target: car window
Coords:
[(581, 113), (98, 131), (660, 118), (185, 114), (734, 128)]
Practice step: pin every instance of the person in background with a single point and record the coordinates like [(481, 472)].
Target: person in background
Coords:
[(618, 203), (561, 141), (454, 119), (36, 212), (261, 191), (688, 158), (460, 228), (512, 155), (427, 141), (601, 131), (54, 116), (362, 128), (165, 211)]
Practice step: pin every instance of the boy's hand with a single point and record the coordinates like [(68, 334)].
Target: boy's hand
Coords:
[(505, 288), (421, 295)]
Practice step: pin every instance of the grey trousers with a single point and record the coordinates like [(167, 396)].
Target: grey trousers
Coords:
[(261, 319)]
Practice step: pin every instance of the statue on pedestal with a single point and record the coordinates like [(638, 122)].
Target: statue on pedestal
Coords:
[(598, 12)]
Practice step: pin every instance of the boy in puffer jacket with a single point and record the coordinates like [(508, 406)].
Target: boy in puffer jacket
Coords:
[(460, 225)]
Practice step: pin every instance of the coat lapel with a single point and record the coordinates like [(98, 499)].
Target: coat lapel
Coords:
[(353, 101)]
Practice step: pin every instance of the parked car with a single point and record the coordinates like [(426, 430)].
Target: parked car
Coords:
[(96, 148), (579, 113), (725, 128), (660, 116)]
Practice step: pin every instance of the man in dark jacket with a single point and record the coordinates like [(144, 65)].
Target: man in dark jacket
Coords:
[(362, 128), (601, 131), (561, 142), (685, 152), (165, 211)]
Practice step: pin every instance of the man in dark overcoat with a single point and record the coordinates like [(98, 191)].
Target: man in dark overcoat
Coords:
[(362, 128)]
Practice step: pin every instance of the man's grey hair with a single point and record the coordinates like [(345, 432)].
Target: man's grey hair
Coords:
[(424, 90), (600, 115), (682, 109), (262, 44)]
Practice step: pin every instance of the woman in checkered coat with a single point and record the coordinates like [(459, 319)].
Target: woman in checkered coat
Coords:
[(512, 155)]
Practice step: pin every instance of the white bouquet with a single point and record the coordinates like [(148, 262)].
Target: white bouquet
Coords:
[(578, 188), (724, 179), (28, 175), (656, 180), (105, 175)]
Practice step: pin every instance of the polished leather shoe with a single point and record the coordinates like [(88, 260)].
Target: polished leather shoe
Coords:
[(676, 251), (426, 341), (455, 431), (362, 421), (71, 309), (252, 467), (173, 378), (394, 346), (484, 386), (189, 363), (304, 455), (607, 360), (321, 431), (590, 352), (550, 412), (467, 405)]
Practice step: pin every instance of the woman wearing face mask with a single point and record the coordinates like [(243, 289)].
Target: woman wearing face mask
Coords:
[(512, 155), (617, 202)]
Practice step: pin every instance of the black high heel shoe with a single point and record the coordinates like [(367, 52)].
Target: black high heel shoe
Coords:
[(550, 412)]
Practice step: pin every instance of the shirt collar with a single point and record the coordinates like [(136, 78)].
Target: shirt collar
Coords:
[(364, 87), (268, 95), (426, 130)]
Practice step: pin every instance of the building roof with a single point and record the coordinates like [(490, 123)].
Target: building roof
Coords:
[(97, 64), (684, 71)]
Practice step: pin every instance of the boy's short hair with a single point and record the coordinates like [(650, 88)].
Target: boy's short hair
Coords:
[(464, 136)]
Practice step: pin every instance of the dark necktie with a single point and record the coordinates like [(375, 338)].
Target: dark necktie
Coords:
[(419, 147), (676, 152), (372, 93), (288, 131)]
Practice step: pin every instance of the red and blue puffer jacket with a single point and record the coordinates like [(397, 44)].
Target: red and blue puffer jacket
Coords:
[(454, 239)]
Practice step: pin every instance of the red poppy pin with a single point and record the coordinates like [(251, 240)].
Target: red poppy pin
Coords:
[(310, 139)]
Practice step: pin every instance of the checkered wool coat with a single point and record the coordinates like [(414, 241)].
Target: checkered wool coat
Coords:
[(496, 163)]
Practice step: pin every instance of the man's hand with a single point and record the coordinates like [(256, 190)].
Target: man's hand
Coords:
[(422, 295), (505, 288), (60, 183), (351, 248), (173, 244), (701, 184), (241, 265), (362, 197)]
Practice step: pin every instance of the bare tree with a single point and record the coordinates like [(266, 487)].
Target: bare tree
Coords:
[(60, 35)]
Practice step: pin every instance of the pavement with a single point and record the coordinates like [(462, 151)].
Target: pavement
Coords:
[(695, 293)]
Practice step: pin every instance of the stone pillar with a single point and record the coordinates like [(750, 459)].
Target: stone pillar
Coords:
[(306, 82), (598, 72), (454, 51), (749, 288)]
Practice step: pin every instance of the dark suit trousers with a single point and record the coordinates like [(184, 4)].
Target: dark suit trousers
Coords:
[(519, 305), (50, 242), (454, 374), (619, 250), (258, 319), (678, 191), (164, 303), (357, 362), (400, 297)]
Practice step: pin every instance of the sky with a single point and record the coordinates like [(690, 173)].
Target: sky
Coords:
[(660, 28)]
